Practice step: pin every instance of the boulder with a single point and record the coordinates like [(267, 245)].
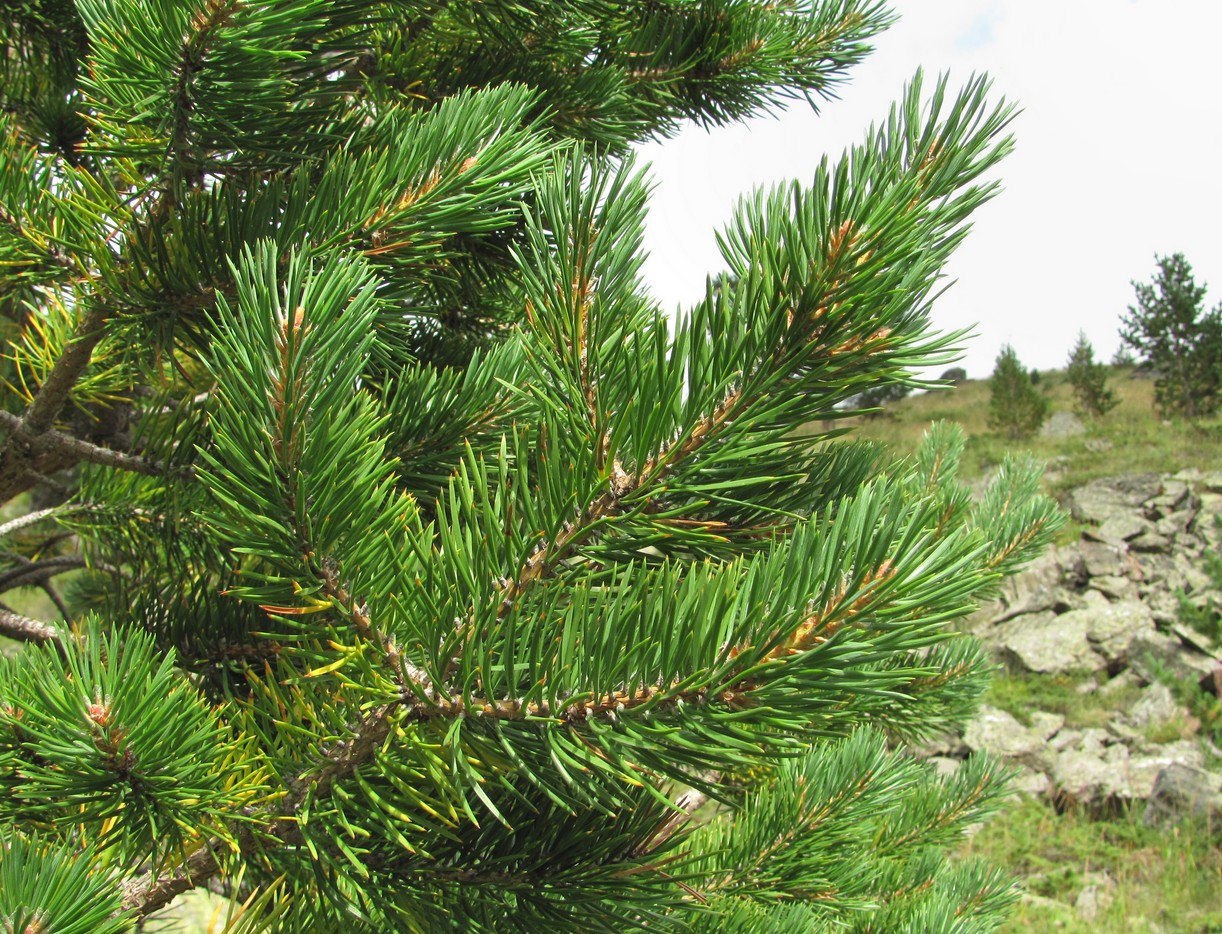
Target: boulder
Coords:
[(1101, 499), (1152, 653), (1038, 588), (1046, 724), (997, 732), (1150, 540), (1176, 496), (1144, 768), (1062, 425), (1092, 775), (1174, 524), (1156, 705), (1114, 587), (1120, 527), (1111, 628), (1183, 790), (1047, 643), (1100, 559)]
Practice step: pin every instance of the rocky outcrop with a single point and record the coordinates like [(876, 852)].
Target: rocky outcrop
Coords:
[(1103, 612)]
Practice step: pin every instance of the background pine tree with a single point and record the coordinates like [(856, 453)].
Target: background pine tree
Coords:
[(1092, 397), (1016, 406), (1181, 341), (424, 576)]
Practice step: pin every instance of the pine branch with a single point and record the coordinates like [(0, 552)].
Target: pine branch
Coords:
[(37, 572), (271, 829), (24, 629), (24, 452), (54, 444)]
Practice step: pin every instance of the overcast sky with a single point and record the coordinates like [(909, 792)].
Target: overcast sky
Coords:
[(1118, 159)]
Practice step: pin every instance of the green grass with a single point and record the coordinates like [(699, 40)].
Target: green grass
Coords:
[(1021, 694), (1167, 880)]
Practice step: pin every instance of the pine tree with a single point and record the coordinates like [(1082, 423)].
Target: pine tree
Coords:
[(1174, 334), (1088, 378), (1016, 407), (424, 575)]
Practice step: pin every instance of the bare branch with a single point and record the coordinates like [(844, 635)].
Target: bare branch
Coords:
[(36, 572), (16, 525), (25, 629), (19, 458), (53, 441)]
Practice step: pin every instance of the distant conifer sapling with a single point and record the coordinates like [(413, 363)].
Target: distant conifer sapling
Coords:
[(1017, 408), (1088, 378)]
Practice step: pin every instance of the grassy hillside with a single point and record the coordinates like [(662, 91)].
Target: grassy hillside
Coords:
[(1083, 873), (1130, 438)]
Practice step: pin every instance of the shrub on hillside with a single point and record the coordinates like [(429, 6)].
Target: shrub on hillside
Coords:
[(1016, 407), (1092, 397), (875, 399), (955, 375)]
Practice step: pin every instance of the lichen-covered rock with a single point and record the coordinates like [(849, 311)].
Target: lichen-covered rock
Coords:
[(1156, 705), (1183, 790), (1090, 774), (1062, 425), (1100, 558), (1101, 499), (1111, 602), (1120, 527), (1111, 628), (1047, 643), (1154, 653), (997, 732)]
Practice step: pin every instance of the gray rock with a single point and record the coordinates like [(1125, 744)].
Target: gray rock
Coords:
[(997, 732), (1037, 588), (1030, 782), (1153, 652), (1114, 587), (1211, 503), (949, 745), (1175, 524), (1191, 577), (1122, 526), (982, 620), (1156, 705), (1064, 739), (1175, 496), (1095, 896), (1121, 682), (1209, 481), (1100, 559), (1183, 790), (943, 766), (1047, 643), (1046, 724), (1062, 425), (1091, 777), (1100, 499), (1194, 640), (1150, 541), (1111, 628)]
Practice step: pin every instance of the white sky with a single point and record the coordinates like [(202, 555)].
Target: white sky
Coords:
[(1119, 157)]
